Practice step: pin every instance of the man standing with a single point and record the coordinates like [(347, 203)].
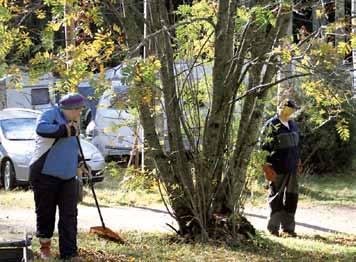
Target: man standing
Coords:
[(53, 172), (281, 140)]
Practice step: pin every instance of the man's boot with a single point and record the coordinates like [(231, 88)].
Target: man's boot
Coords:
[(45, 248)]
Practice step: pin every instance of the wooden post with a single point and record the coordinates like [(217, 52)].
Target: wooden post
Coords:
[(69, 35), (3, 93), (340, 17), (284, 87), (144, 57)]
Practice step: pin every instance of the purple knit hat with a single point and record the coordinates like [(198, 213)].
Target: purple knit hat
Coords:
[(72, 101)]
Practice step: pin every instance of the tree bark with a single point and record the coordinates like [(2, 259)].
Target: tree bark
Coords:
[(340, 16)]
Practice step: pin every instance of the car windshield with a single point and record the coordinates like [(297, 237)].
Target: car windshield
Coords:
[(114, 114), (19, 128)]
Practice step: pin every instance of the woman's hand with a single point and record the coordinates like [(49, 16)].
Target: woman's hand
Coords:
[(73, 129), (84, 170)]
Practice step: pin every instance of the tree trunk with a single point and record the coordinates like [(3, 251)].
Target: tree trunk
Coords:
[(234, 181), (212, 180), (3, 94)]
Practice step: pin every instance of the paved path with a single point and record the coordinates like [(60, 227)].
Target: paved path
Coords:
[(310, 219)]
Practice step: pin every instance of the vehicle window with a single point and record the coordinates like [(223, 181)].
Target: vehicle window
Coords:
[(19, 128), (40, 96)]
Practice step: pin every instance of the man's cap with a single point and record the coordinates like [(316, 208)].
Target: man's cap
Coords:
[(72, 101), (290, 103)]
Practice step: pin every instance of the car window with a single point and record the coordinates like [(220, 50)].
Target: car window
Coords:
[(19, 128)]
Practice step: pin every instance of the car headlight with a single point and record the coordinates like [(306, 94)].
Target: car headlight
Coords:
[(97, 157)]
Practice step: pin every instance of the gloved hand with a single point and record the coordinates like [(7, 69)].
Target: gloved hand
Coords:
[(300, 168), (73, 129), (270, 174)]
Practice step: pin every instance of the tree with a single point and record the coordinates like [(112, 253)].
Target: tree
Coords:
[(217, 61), (205, 187)]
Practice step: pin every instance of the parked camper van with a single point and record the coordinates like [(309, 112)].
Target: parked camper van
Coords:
[(31, 94)]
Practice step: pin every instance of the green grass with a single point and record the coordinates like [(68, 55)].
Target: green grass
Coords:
[(18, 198), (336, 189), (161, 247), (112, 193), (333, 190), (328, 189), (109, 192)]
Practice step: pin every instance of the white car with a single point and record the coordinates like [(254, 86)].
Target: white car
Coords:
[(17, 143)]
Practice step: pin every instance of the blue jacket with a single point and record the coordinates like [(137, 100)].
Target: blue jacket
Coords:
[(55, 154)]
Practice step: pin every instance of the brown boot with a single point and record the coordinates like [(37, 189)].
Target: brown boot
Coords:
[(45, 248)]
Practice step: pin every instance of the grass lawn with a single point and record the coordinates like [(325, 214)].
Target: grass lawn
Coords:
[(336, 189), (110, 193), (329, 189), (160, 247)]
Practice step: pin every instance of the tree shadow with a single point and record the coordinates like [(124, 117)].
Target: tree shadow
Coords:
[(266, 249), (321, 196), (315, 194), (314, 227), (337, 239)]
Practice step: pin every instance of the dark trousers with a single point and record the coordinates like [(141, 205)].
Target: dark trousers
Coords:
[(283, 201), (50, 192)]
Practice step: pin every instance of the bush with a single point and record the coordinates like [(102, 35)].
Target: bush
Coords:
[(322, 149)]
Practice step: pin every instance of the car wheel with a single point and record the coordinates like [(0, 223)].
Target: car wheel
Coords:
[(9, 176)]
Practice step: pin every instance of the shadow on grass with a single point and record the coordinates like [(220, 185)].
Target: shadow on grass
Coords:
[(163, 247), (315, 195), (345, 240), (336, 188), (333, 198), (318, 228), (266, 249)]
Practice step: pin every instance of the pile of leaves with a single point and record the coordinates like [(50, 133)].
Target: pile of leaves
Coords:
[(99, 255), (91, 255)]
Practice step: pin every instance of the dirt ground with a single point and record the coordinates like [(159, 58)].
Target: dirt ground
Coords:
[(311, 219)]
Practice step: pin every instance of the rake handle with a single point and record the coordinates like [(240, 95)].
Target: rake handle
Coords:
[(97, 205), (91, 184)]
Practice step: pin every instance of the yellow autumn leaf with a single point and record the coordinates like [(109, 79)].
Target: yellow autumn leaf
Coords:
[(55, 26), (41, 14), (344, 48), (116, 28), (319, 13)]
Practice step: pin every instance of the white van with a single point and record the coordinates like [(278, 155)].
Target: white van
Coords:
[(114, 131)]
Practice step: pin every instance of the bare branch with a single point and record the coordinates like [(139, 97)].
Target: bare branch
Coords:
[(134, 50), (263, 87)]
